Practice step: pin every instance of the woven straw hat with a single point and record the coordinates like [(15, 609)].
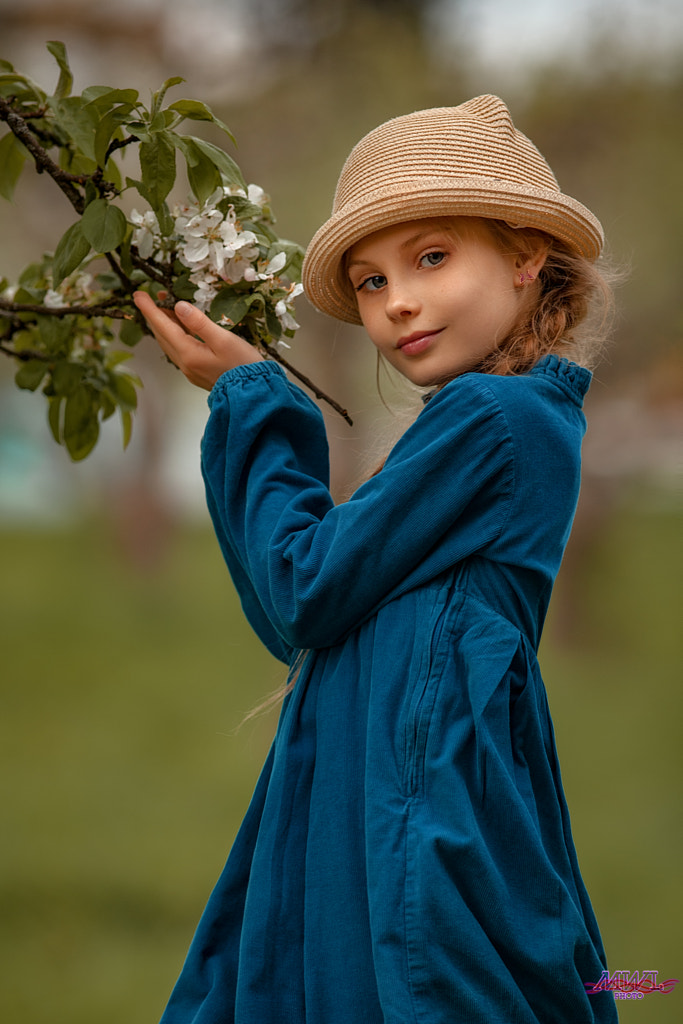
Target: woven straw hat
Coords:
[(450, 161)]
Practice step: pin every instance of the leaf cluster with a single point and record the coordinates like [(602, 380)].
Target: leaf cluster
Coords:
[(59, 322)]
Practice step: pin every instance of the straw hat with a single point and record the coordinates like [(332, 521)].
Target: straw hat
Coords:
[(450, 161)]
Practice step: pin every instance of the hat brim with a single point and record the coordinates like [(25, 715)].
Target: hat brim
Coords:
[(324, 278)]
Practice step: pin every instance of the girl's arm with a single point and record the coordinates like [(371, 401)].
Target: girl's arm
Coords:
[(318, 570)]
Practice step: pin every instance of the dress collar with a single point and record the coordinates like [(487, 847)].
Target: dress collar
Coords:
[(572, 378)]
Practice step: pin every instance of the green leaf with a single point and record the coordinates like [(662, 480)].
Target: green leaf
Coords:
[(193, 110), (93, 92), (115, 359), (54, 418), (295, 258), (272, 323), (12, 156), (30, 374), (55, 332), (107, 404), (9, 79), (80, 120), (73, 161), (71, 250), (113, 174), (107, 128), (66, 79), (183, 288), (140, 130), (81, 425), (157, 163), (244, 209), (158, 123), (140, 187), (66, 378), (104, 226), (234, 307), (158, 96), (225, 164), (104, 98), (91, 193), (202, 173), (131, 332), (23, 341), (127, 426), (124, 389)]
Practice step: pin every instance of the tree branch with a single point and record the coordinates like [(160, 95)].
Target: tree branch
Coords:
[(110, 308), (21, 130)]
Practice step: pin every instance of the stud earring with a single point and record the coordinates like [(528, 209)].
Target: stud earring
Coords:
[(526, 276)]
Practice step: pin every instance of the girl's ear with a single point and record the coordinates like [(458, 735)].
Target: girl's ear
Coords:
[(529, 266)]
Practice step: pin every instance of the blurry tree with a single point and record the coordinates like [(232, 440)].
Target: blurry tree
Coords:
[(616, 141), (284, 25)]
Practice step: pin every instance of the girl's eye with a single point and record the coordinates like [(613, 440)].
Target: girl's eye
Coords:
[(372, 284), (432, 259)]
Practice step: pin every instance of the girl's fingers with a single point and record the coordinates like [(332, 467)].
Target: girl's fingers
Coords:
[(200, 348)]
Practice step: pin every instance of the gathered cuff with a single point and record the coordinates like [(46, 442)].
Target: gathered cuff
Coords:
[(245, 372)]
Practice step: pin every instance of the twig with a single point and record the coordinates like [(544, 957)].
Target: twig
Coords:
[(25, 354), (120, 273), (119, 144), (271, 352)]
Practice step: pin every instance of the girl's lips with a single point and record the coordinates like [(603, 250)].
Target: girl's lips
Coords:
[(417, 342)]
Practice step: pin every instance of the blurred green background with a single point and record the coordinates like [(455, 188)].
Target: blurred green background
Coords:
[(126, 666)]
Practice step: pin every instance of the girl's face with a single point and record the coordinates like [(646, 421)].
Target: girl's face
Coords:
[(435, 296)]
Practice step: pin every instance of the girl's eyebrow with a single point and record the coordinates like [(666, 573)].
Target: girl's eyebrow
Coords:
[(404, 245)]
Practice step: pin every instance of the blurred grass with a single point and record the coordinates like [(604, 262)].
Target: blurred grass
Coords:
[(124, 779)]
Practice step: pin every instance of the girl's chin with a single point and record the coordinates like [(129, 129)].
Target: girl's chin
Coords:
[(432, 378)]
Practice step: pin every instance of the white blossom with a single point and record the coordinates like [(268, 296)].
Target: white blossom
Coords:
[(53, 299), (211, 239), (238, 268), (147, 235), (256, 195), (216, 250), (272, 268), (285, 317), (74, 290)]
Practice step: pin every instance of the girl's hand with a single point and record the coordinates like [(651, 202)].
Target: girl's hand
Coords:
[(202, 361)]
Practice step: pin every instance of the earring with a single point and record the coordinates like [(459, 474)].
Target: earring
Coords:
[(526, 276)]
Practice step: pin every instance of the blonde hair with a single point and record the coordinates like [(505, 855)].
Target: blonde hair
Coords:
[(574, 308)]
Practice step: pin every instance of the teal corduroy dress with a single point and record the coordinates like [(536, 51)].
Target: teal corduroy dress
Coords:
[(407, 854)]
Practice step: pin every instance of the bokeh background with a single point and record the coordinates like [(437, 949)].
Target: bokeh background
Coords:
[(126, 667)]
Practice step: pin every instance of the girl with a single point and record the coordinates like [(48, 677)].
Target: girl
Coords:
[(407, 854)]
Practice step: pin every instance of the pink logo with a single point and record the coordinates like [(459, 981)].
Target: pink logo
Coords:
[(630, 986)]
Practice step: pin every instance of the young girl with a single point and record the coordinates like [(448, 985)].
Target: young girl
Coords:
[(407, 854)]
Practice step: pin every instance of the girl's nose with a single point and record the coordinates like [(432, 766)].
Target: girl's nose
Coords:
[(402, 302)]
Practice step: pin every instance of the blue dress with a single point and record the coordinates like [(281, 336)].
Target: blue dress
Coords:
[(407, 854)]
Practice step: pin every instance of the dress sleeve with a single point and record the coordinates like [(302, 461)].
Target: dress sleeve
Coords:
[(309, 571)]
